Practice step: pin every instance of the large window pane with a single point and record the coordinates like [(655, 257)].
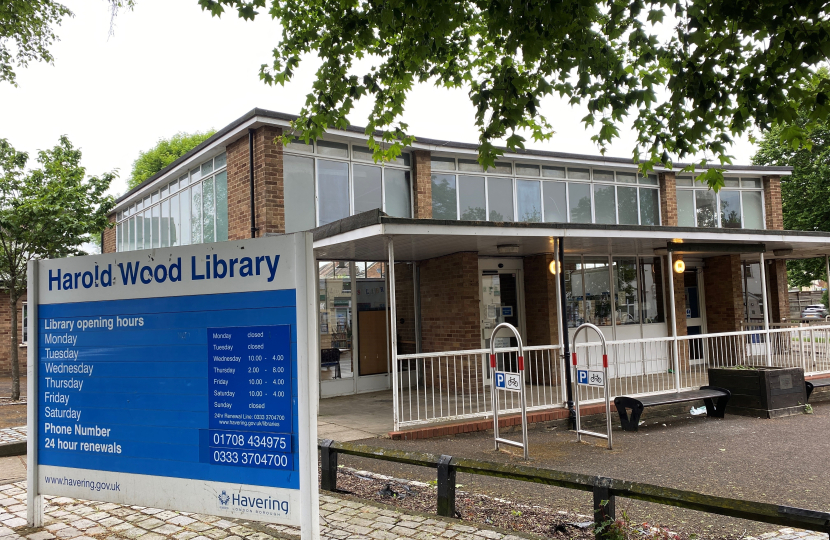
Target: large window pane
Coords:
[(651, 290), (579, 202), (299, 193), (367, 188), (471, 198), (397, 192), (221, 206), (500, 197), (184, 205), (604, 204), (119, 238), (753, 210), (705, 202), (139, 231), (529, 200), (626, 205), (730, 209), (626, 299), (208, 209), (165, 223), (574, 301), (196, 214), (686, 208), (132, 234), (148, 232), (597, 291), (332, 190), (326, 148), (555, 202), (175, 221), (156, 235), (443, 197), (649, 207)]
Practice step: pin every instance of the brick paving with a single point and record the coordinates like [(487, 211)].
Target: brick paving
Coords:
[(340, 519), (13, 435)]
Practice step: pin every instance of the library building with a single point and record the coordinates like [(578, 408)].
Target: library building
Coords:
[(420, 258)]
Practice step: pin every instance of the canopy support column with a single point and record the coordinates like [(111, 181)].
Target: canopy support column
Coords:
[(673, 311), (393, 337), (766, 309)]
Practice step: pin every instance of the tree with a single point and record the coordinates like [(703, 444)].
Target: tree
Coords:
[(27, 31), (726, 67), (45, 212), (165, 152), (806, 193)]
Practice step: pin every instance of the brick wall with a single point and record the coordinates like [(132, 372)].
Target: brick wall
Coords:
[(772, 203), (541, 308), (779, 299), (450, 303), (724, 294), (109, 237), (268, 185), (405, 308), (6, 330), (422, 188), (668, 199), (679, 297)]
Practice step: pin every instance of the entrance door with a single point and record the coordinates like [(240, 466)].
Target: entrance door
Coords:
[(694, 313), (501, 300)]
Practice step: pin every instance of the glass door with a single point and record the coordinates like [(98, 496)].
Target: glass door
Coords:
[(694, 313), (501, 300)]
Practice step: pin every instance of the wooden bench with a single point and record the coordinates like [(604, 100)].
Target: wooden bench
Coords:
[(816, 383), (331, 358), (707, 393)]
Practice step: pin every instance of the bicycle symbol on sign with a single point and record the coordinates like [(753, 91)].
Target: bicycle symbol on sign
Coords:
[(596, 377)]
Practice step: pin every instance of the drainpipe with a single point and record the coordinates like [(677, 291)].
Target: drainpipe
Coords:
[(565, 339), (251, 174)]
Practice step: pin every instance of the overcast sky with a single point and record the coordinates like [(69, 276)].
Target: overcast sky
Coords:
[(171, 67)]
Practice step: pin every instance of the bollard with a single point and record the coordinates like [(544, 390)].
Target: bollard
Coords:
[(604, 508), (328, 466), (446, 487)]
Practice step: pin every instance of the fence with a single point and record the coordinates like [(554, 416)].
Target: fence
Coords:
[(446, 386), (604, 489)]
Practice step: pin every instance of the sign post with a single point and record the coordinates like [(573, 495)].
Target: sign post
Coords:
[(177, 378), (586, 377), (512, 382)]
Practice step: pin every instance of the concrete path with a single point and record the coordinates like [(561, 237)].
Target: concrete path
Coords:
[(355, 417)]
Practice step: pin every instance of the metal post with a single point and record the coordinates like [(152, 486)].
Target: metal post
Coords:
[(565, 339), (393, 314), (34, 501), (446, 487), (563, 364), (606, 388), (328, 466), (494, 393), (765, 310), (605, 512), (674, 348)]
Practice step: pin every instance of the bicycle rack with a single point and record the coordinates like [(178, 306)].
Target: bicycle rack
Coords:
[(494, 391), (575, 378)]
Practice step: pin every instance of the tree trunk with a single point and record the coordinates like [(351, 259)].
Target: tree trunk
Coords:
[(14, 361)]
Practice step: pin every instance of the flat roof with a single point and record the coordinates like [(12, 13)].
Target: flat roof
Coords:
[(258, 117)]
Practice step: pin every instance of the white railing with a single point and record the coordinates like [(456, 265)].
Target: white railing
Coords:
[(446, 386)]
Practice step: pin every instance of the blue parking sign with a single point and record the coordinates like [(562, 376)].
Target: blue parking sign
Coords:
[(582, 376)]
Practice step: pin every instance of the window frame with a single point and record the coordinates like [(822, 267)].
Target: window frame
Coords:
[(740, 188)]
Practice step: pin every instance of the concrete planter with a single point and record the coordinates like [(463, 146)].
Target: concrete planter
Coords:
[(760, 391)]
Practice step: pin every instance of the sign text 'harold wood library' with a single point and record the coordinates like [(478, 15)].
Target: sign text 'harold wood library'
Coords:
[(177, 378)]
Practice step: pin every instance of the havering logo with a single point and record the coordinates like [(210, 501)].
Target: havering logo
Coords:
[(224, 498)]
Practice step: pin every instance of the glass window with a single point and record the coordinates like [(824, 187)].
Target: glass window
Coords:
[(603, 176), (626, 299), (299, 193), (751, 182), (362, 153), (25, 317), (753, 210), (183, 181), (119, 216), (597, 291), (471, 198), (574, 299), (444, 196), (196, 214), (730, 209), (500, 197), (650, 206), (165, 191), (184, 205), (148, 230), (146, 204), (650, 180), (529, 200), (627, 205), (155, 197), (220, 161), (442, 164), (469, 165), (579, 174), (175, 221), (524, 169), (165, 223), (174, 186), (605, 206), (119, 237), (686, 208), (195, 175), (579, 202), (332, 190), (555, 202), (731, 182), (221, 206), (706, 211), (625, 178), (139, 231), (367, 188), (298, 145), (156, 235), (334, 149), (207, 168), (131, 245), (553, 172), (397, 193), (403, 159), (684, 181), (651, 290), (502, 167), (208, 211)]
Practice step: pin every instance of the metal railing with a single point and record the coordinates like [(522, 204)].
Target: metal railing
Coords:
[(447, 386)]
